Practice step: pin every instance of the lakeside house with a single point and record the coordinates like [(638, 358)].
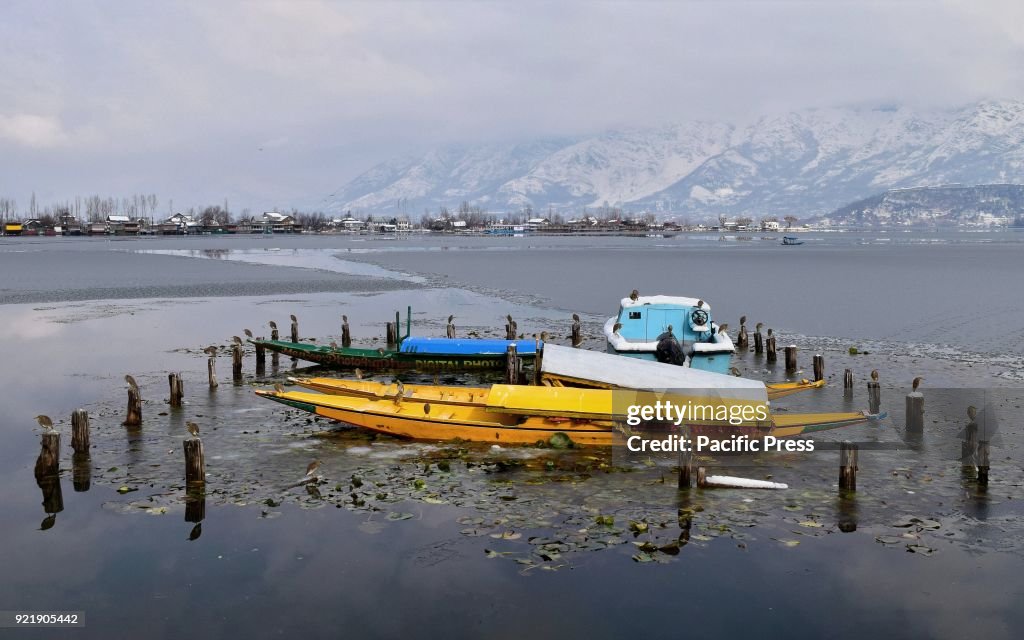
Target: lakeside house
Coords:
[(269, 222)]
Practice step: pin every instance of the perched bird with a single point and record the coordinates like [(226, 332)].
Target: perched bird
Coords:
[(437, 379), (874, 375), (734, 371), (45, 422), (450, 318), (972, 412), (359, 373), (634, 296), (236, 339), (312, 467), (669, 330), (616, 327), (700, 304), (334, 345), (400, 393), (543, 336), (294, 319), (916, 383), (722, 328), (193, 428), (380, 350), (278, 388), (769, 332), (273, 325), (131, 382), (344, 319), (757, 327), (248, 334), (509, 318), (575, 318), (426, 408), (211, 350), (743, 320)]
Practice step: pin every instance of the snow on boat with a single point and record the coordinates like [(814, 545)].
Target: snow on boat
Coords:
[(644, 322)]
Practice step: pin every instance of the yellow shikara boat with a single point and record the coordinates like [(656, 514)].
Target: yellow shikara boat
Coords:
[(470, 395), (514, 414)]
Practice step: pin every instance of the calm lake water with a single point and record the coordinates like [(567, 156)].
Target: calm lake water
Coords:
[(431, 540)]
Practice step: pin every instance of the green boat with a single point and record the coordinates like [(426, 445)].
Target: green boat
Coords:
[(430, 354)]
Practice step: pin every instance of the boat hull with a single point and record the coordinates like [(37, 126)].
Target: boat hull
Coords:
[(348, 357)]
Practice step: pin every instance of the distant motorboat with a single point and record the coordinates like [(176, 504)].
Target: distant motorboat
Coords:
[(791, 240)]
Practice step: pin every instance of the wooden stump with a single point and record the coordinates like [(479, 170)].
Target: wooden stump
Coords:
[(275, 334), (969, 447), (685, 469), (134, 413), (346, 336), (791, 357), (702, 475), (915, 412), (983, 463), (511, 329), (236, 361), (177, 389), (261, 356), (295, 330), (47, 464), (847, 466), (81, 471), (513, 365), (819, 367), (195, 463), (770, 355), (742, 340), (577, 334), (758, 343), (848, 379), (211, 371), (392, 334), (874, 397), (80, 431)]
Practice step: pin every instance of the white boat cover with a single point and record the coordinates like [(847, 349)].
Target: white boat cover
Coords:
[(625, 372)]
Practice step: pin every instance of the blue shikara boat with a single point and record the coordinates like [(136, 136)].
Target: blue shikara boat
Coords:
[(670, 329)]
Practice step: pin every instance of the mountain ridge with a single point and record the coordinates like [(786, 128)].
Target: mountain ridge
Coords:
[(807, 163)]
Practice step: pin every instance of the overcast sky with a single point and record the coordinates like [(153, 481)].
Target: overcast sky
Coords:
[(277, 104)]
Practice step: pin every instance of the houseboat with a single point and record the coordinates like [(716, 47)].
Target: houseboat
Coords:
[(670, 329)]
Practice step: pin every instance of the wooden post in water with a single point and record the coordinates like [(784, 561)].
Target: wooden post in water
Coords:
[(915, 412), (819, 367), (969, 447), (513, 365), (848, 380), (275, 357), (847, 466), (195, 506), (758, 343), (133, 417), (510, 329), (685, 469), (47, 464), (537, 360), (702, 474), (211, 367), (195, 463), (742, 340), (295, 328), (770, 348), (392, 334), (177, 389), (577, 331), (80, 431), (346, 335), (874, 396), (261, 358), (236, 361), (791, 357), (983, 463)]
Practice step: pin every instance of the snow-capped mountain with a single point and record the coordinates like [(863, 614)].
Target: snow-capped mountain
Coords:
[(804, 163)]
